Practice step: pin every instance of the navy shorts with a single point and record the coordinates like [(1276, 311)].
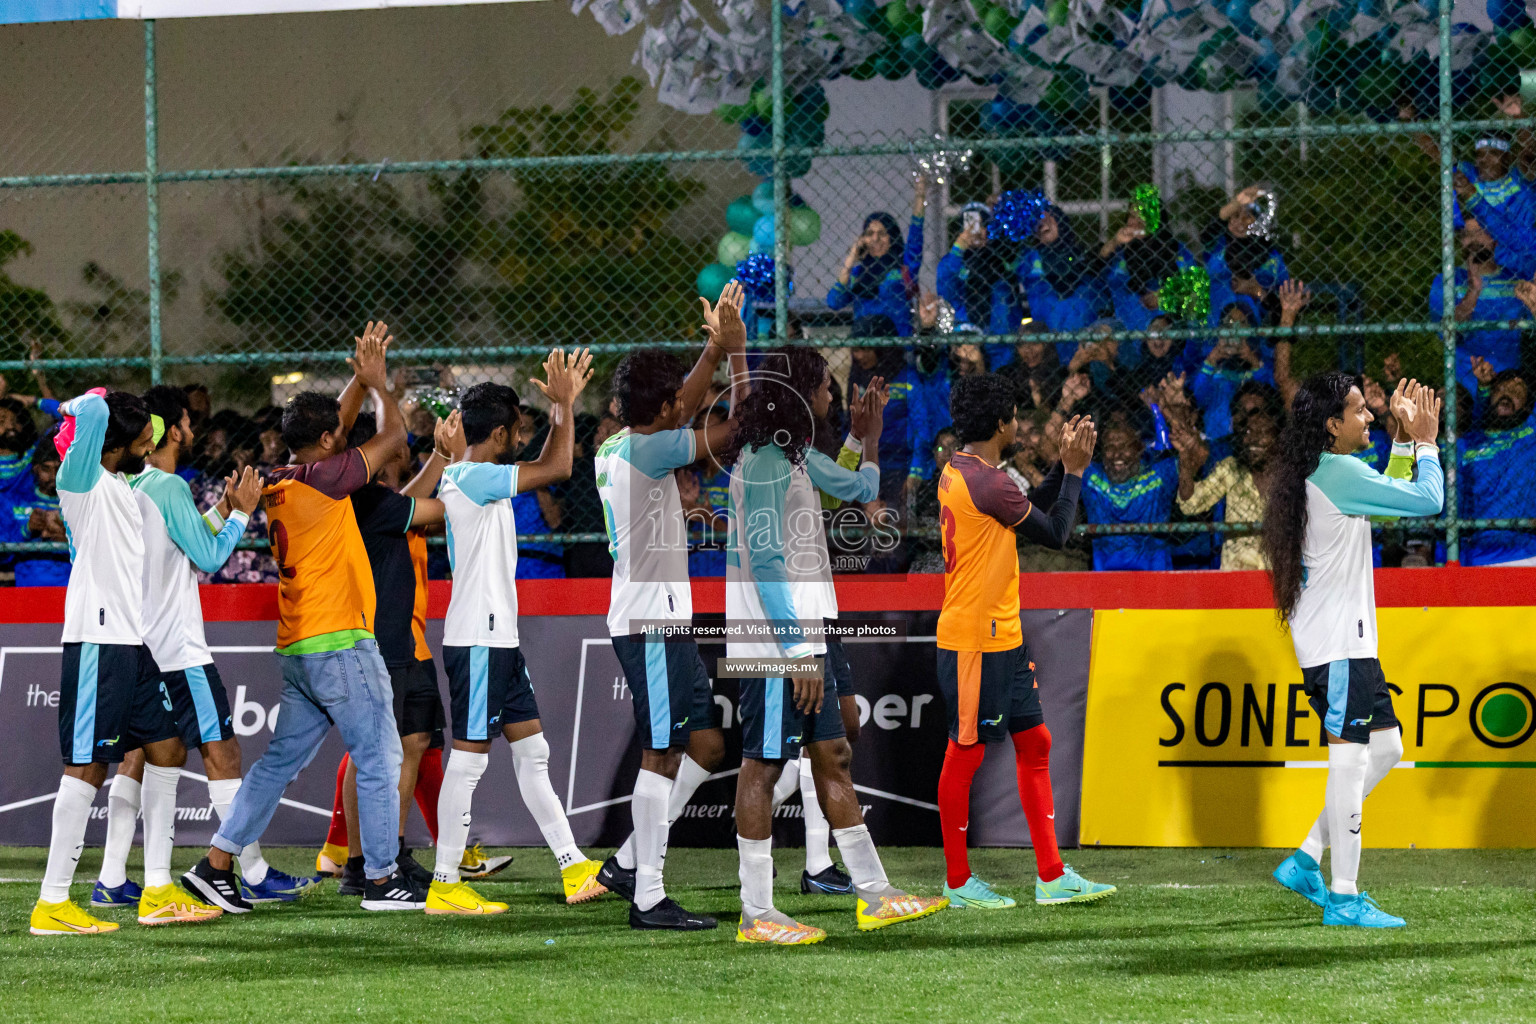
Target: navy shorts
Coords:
[(991, 694), (489, 688), (111, 701), (669, 688), (418, 705), (838, 674), (200, 704), (772, 729), (1351, 697)]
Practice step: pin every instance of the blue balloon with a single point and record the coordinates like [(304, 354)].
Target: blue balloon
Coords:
[(762, 231), (1240, 14), (762, 198), (1507, 14)]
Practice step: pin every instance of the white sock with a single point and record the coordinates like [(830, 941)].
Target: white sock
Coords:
[(756, 874), (690, 776), (861, 857), (1386, 749), (649, 807), (159, 823), (453, 803), (1345, 801), (817, 858), (253, 866), (71, 810), (122, 820), (530, 761), (789, 781)]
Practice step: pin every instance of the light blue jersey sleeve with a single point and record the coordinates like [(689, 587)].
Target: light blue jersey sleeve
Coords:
[(483, 482), (81, 467), (765, 490), (660, 453), (1358, 490), (850, 485), (189, 531)]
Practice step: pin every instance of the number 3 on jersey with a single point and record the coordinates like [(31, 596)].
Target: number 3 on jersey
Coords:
[(947, 531)]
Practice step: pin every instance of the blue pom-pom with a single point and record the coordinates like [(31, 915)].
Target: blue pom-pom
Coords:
[(1017, 213), (756, 275)]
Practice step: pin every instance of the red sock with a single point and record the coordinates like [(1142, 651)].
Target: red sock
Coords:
[(960, 765), (1032, 755), (429, 782), (337, 836)]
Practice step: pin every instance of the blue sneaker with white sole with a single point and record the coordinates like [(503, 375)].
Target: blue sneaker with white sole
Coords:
[(1295, 875), (125, 895), (1358, 910), (1071, 887), (278, 887)]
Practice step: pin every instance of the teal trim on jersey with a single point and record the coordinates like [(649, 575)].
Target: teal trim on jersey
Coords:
[(479, 690), (1358, 490), (660, 453), (657, 693), (773, 718), (765, 474), (202, 700), (448, 533), (1338, 697), (483, 482), (188, 530), (81, 467), (862, 484), (85, 702), (410, 520)]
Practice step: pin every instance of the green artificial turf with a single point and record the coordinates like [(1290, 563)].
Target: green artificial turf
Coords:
[(1193, 935)]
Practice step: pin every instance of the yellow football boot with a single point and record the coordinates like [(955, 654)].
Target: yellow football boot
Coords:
[(66, 918), (581, 882), (459, 898), (476, 865), (171, 904), (895, 907), (330, 860), (777, 930)]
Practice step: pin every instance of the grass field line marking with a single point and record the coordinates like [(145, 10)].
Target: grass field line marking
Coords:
[(892, 796), (19, 804), (311, 808)]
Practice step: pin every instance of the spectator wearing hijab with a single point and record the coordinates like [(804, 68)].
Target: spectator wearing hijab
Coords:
[(879, 274), (978, 280), (1061, 279), (1485, 290), (1234, 221)]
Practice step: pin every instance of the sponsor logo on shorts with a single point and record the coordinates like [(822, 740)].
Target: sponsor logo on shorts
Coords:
[(111, 742)]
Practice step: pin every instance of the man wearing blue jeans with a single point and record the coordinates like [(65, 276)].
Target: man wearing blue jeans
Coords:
[(332, 671)]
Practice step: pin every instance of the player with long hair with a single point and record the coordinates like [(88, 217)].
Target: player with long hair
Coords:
[(1317, 541)]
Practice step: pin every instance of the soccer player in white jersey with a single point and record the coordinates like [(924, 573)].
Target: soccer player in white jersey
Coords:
[(110, 697), (178, 542), (1317, 537), (488, 683), (648, 538), (776, 571)]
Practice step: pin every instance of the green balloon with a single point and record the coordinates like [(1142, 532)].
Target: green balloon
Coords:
[(741, 215), (903, 20), (804, 225), (713, 279), (1056, 13), (998, 23), (733, 248), (762, 103)]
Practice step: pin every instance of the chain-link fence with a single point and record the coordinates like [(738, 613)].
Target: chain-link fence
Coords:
[(225, 202)]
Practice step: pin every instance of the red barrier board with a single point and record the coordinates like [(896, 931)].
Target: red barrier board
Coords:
[(1446, 587)]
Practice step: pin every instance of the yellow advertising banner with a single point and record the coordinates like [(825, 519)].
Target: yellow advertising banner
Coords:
[(1198, 732)]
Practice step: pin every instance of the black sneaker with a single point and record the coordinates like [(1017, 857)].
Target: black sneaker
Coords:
[(411, 868), (667, 914), (618, 880), (397, 892), (829, 881), (353, 881), (221, 888)]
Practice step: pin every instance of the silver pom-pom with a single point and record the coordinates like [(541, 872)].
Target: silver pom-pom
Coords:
[(944, 322), (441, 401), (1263, 208), (940, 166)]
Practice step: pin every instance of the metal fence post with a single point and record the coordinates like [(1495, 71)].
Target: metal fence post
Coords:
[(1448, 286), (780, 182), (152, 200)]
